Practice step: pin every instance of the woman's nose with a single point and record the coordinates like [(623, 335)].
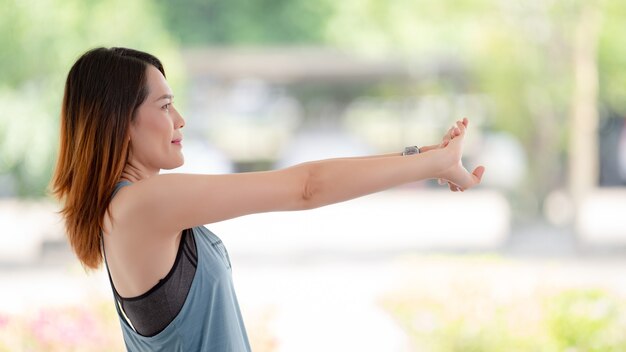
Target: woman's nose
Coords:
[(180, 121)]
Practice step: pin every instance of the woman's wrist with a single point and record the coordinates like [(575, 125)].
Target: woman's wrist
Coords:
[(427, 148)]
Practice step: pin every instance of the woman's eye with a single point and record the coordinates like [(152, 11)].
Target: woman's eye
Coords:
[(166, 106)]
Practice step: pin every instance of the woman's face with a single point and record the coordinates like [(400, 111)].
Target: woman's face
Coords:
[(156, 127)]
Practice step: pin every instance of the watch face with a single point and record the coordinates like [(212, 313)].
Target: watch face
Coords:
[(411, 150)]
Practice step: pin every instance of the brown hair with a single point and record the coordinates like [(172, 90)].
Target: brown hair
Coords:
[(103, 90)]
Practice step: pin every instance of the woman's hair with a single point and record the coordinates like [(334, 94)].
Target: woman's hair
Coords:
[(103, 90)]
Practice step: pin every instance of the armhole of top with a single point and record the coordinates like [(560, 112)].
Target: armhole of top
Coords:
[(116, 295)]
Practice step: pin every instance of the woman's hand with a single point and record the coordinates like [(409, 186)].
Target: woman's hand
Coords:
[(453, 132), (458, 178)]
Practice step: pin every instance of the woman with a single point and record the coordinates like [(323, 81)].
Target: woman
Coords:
[(171, 277)]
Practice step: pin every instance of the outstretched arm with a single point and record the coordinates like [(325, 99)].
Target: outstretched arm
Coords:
[(172, 202)]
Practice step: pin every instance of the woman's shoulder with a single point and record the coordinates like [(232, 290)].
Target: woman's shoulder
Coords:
[(129, 211), (117, 209)]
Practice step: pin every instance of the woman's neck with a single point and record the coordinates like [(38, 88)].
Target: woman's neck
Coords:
[(135, 173)]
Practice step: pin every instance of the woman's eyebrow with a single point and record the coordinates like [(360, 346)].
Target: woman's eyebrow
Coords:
[(165, 96)]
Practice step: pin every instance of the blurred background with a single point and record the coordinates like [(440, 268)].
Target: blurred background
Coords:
[(534, 259)]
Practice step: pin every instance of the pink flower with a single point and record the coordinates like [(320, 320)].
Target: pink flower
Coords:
[(69, 327), (4, 320)]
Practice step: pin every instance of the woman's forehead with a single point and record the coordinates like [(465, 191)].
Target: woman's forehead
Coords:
[(157, 84)]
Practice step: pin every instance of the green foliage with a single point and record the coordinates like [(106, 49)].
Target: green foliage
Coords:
[(40, 41), (414, 28), (612, 57), (587, 320), (466, 317), (249, 22)]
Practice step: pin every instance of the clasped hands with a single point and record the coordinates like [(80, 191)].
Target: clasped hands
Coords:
[(451, 150)]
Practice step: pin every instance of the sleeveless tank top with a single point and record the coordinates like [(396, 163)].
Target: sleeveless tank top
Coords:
[(210, 318), (152, 311)]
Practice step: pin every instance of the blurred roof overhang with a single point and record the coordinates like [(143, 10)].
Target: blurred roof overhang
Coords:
[(293, 65)]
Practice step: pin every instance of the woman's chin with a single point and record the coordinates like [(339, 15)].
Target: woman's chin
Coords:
[(176, 165)]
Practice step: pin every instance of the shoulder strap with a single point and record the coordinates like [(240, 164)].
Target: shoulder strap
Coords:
[(119, 186)]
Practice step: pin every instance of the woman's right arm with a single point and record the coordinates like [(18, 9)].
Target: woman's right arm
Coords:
[(171, 202)]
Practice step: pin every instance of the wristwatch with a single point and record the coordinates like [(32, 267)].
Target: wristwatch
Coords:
[(411, 150)]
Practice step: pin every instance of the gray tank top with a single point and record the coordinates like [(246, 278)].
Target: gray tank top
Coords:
[(210, 318)]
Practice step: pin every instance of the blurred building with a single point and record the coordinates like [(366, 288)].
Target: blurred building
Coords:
[(254, 104)]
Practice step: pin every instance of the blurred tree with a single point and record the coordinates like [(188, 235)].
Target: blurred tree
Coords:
[(508, 49), (246, 22), (40, 41), (532, 58), (583, 141)]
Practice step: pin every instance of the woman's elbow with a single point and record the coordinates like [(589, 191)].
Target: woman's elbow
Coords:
[(310, 189)]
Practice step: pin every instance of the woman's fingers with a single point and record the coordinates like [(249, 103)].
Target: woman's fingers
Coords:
[(478, 173), (477, 176), (461, 126), (452, 186), (459, 132), (454, 131), (448, 135)]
